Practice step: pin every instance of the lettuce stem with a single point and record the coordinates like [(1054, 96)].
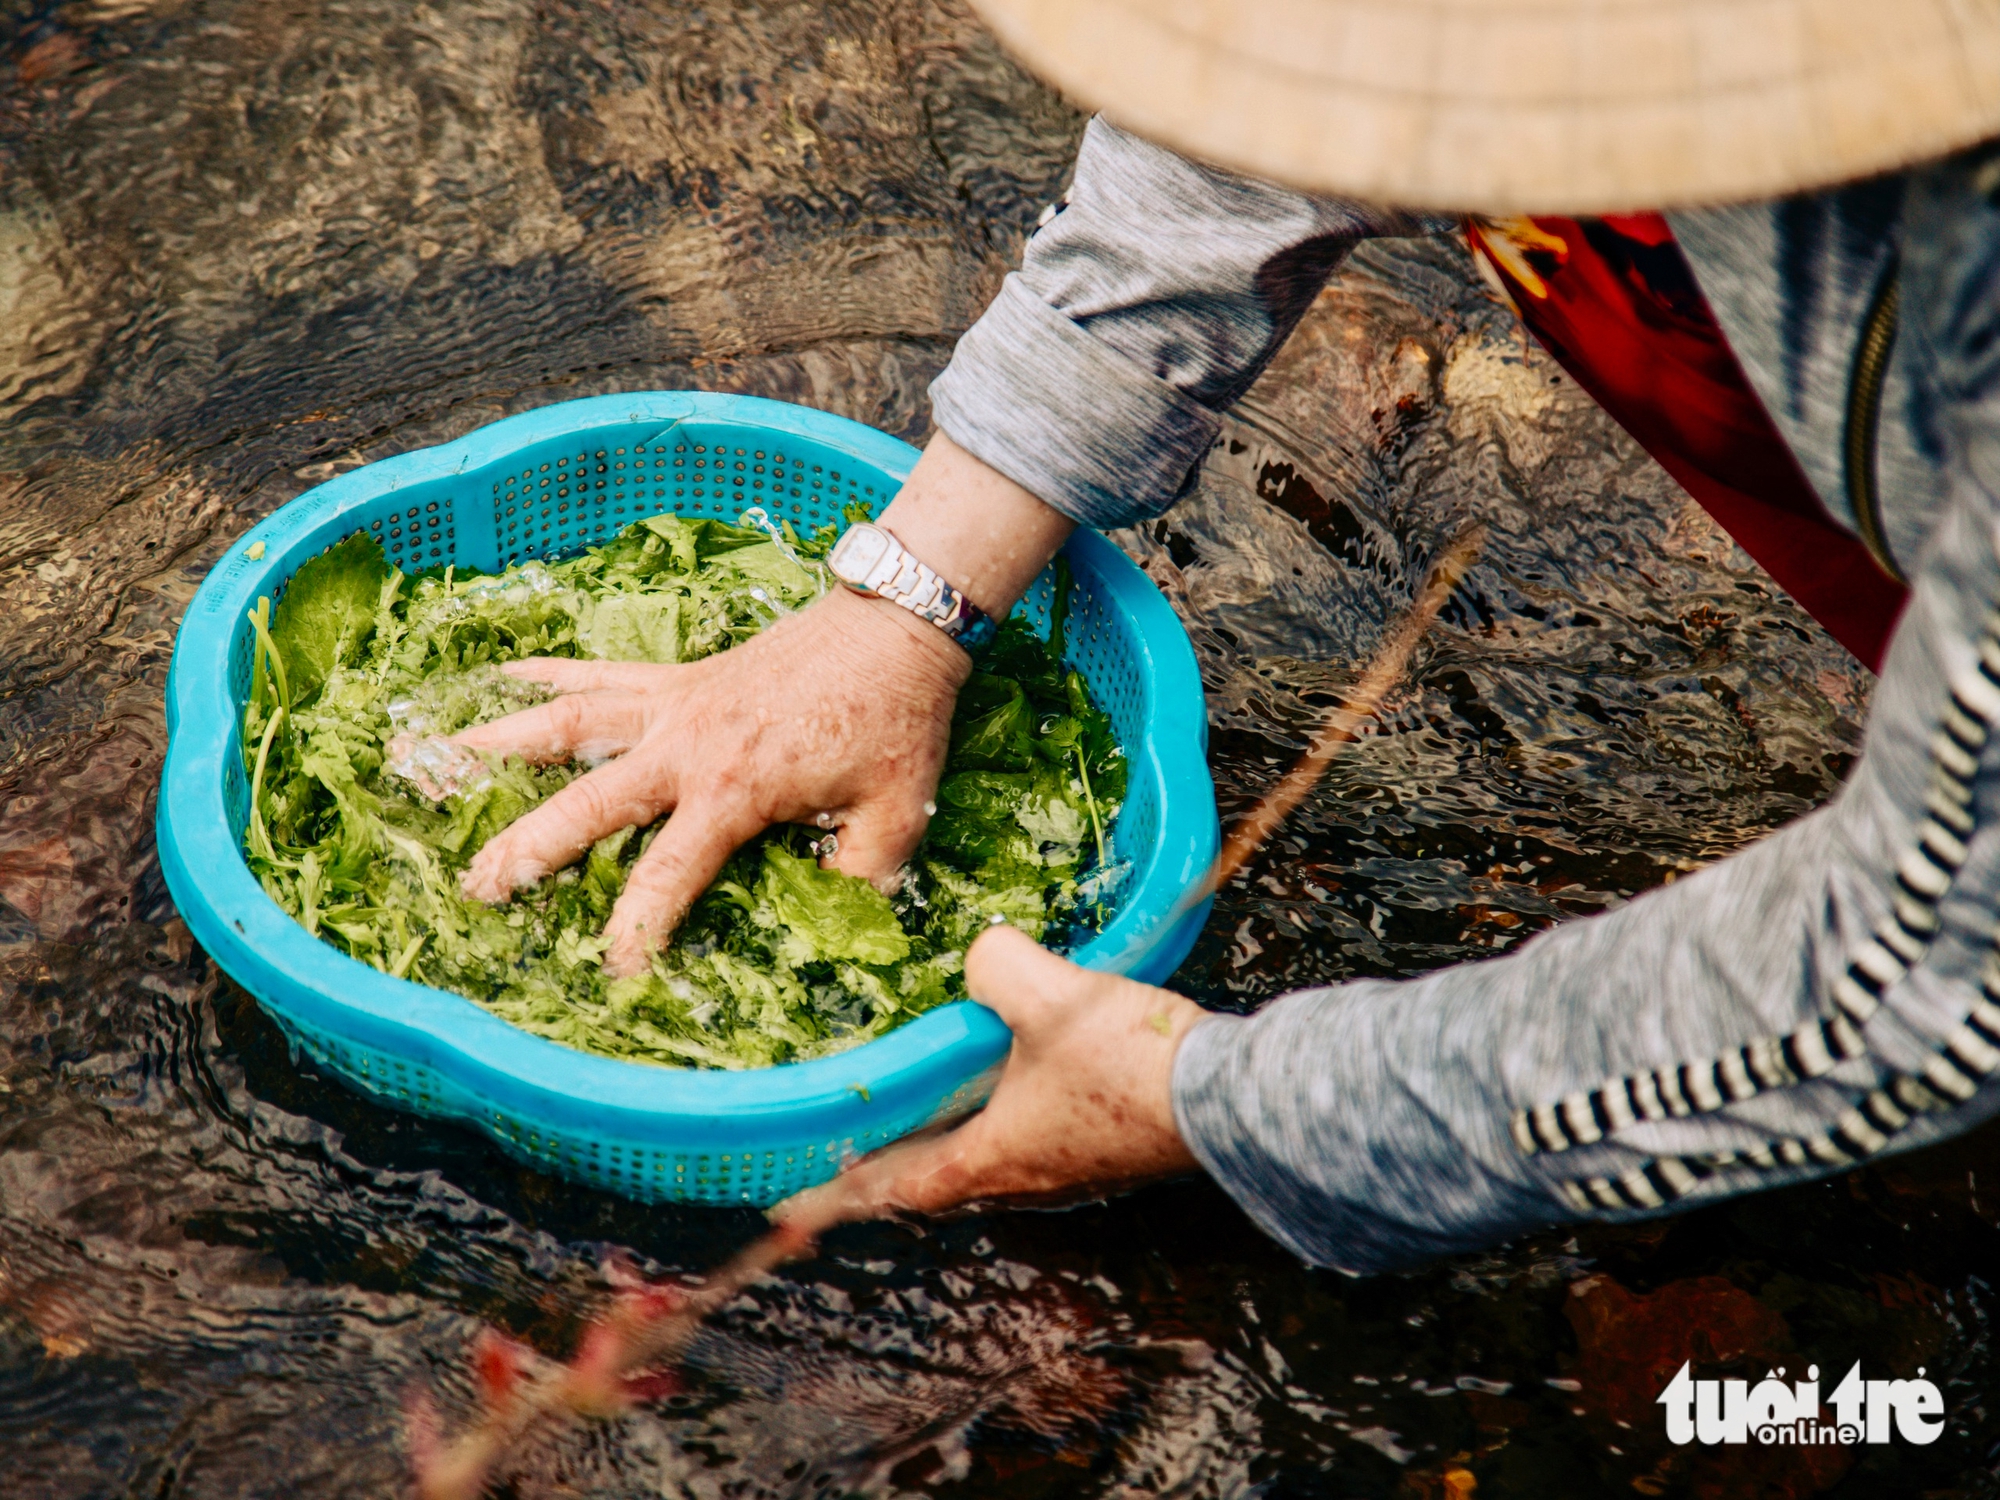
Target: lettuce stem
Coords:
[(260, 620), (260, 838), (1059, 609), (267, 651), (1090, 800), (401, 967)]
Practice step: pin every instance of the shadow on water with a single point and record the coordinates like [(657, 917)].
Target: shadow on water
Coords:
[(244, 246)]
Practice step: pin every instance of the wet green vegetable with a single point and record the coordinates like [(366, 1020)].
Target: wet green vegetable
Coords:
[(363, 816)]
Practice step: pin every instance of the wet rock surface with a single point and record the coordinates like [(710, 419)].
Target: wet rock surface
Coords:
[(245, 246)]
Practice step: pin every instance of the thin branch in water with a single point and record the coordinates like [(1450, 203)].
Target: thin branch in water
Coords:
[(1340, 725), (614, 1367)]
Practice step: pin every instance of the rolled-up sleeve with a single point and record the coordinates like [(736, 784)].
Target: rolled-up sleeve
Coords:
[(1827, 996), (1097, 378)]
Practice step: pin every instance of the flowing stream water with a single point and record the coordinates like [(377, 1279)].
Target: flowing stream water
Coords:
[(248, 244)]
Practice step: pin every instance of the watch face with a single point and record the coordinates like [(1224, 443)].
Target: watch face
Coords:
[(860, 547)]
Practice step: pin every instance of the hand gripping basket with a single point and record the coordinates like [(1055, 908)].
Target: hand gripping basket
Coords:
[(542, 485)]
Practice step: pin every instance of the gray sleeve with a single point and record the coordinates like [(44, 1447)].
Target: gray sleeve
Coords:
[(1825, 996), (1791, 281), (1141, 311)]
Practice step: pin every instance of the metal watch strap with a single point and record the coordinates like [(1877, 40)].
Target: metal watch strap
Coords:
[(870, 560)]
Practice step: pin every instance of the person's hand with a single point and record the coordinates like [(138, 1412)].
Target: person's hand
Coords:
[(837, 716), (1083, 1106)]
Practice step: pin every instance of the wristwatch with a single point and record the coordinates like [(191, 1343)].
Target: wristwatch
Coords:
[(869, 560)]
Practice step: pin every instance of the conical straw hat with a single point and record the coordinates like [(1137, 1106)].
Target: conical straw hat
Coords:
[(1530, 106)]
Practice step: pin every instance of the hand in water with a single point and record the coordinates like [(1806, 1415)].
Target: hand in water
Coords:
[(1083, 1105), (836, 716)]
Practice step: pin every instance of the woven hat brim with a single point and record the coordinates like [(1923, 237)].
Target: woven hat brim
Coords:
[(1529, 106)]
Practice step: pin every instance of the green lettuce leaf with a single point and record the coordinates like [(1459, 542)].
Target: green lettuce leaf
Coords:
[(996, 728), (692, 543), (828, 915), (633, 627), (327, 613)]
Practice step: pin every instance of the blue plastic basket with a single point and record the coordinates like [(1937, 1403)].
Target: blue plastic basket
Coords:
[(546, 484)]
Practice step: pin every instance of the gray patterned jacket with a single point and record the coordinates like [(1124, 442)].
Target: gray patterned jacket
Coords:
[(1823, 996)]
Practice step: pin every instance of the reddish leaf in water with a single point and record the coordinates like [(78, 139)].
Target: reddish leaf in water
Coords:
[(498, 1364), (653, 1386), (614, 1366), (1629, 1345)]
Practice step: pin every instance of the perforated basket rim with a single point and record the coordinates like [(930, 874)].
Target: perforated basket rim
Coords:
[(272, 956)]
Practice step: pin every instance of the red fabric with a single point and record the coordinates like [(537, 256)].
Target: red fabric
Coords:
[(1615, 302)]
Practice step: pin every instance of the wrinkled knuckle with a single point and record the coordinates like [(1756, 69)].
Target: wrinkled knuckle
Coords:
[(653, 878), (590, 802), (660, 876)]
